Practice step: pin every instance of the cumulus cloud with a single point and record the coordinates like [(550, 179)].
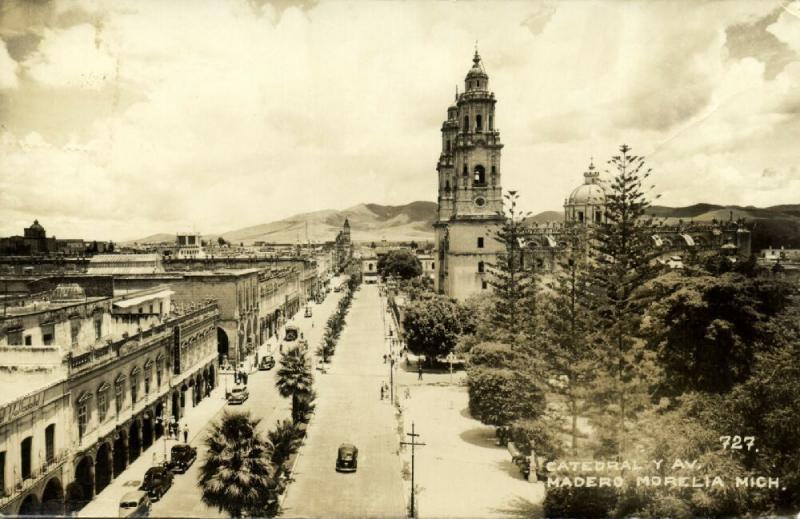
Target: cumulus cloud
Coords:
[(8, 69), (131, 118)]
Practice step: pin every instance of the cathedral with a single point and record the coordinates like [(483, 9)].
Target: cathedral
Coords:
[(470, 194)]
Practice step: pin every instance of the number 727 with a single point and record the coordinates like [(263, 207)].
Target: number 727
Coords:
[(737, 442)]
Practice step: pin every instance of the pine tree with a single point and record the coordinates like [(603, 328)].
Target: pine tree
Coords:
[(514, 313), (566, 337), (622, 253)]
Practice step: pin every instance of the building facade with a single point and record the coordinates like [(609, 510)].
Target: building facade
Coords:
[(106, 373), (343, 247), (469, 189)]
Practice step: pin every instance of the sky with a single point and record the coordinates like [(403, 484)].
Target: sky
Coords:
[(120, 119)]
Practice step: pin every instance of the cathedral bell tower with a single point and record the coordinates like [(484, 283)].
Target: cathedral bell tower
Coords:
[(470, 193)]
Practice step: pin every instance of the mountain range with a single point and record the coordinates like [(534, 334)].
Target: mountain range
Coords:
[(772, 226)]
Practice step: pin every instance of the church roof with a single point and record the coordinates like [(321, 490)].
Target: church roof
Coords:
[(590, 192), (477, 69)]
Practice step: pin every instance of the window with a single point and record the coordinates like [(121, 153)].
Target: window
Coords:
[(494, 170), (159, 370), (483, 285), (141, 310), (481, 266), (447, 185), (491, 123), (151, 309), (161, 308), (370, 267), (14, 337), (48, 334), (148, 374), (74, 330), (3, 473), (480, 174), (98, 328), (119, 393), (433, 265), (480, 242), (50, 443), (478, 123), (134, 387), (580, 216), (28, 340), (466, 123), (25, 455), (83, 419), (102, 402), (447, 147)]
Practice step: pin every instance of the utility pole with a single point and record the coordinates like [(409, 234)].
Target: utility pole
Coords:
[(413, 444)]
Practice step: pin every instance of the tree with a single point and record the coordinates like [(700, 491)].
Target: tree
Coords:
[(498, 396), (221, 241), (237, 476), (285, 439), (621, 255), (567, 336), (707, 328), (401, 263), (432, 326), (515, 285), (295, 379)]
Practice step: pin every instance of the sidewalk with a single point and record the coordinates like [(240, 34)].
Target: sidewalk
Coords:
[(106, 503)]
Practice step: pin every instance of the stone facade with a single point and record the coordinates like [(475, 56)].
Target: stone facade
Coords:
[(103, 374), (470, 189)]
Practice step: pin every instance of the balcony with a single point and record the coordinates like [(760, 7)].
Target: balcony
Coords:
[(37, 474)]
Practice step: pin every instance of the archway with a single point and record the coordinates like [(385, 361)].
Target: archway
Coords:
[(120, 452), (211, 383), (222, 344), (176, 406), (159, 428), (53, 498), (29, 506), (81, 491), (147, 430), (134, 441), (102, 467)]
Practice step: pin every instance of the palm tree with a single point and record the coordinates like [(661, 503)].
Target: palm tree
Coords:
[(294, 379), (285, 439), (237, 475)]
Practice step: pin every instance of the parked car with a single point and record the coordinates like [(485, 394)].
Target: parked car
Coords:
[(338, 288), (347, 458), (238, 395), (157, 481), (134, 504), (267, 362), (308, 311), (181, 457)]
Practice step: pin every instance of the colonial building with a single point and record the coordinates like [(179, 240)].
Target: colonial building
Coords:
[(369, 269), (101, 375), (189, 245), (587, 202), (110, 264), (34, 242), (470, 190)]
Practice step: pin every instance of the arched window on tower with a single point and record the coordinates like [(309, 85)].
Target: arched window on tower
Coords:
[(494, 170), (448, 146), (491, 123), (466, 170), (447, 186), (466, 123), (481, 267), (478, 123), (480, 175)]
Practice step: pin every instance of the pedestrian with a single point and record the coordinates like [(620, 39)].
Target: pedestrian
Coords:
[(384, 358), (407, 393), (383, 391), (419, 371), (185, 433)]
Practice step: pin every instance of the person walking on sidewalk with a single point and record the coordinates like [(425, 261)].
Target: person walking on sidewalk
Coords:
[(185, 433), (419, 370), (383, 391)]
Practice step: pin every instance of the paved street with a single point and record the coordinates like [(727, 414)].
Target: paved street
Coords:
[(183, 499), (460, 472), (349, 409)]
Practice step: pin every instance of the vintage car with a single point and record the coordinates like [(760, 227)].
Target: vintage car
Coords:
[(181, 457), (238, 395), (347, 458), (519, 459), (308, 311), (266, 363), (134, 504), (157, 481)]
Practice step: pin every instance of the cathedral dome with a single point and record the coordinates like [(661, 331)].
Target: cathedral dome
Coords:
[(67, 292), (590, 192), (36, 226)]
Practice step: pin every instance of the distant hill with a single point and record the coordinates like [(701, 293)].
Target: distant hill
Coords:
[(771, 226), (154, 238)]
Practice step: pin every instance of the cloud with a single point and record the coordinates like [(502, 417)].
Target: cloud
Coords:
[(8, 69), (131, 118), (71, 58)]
